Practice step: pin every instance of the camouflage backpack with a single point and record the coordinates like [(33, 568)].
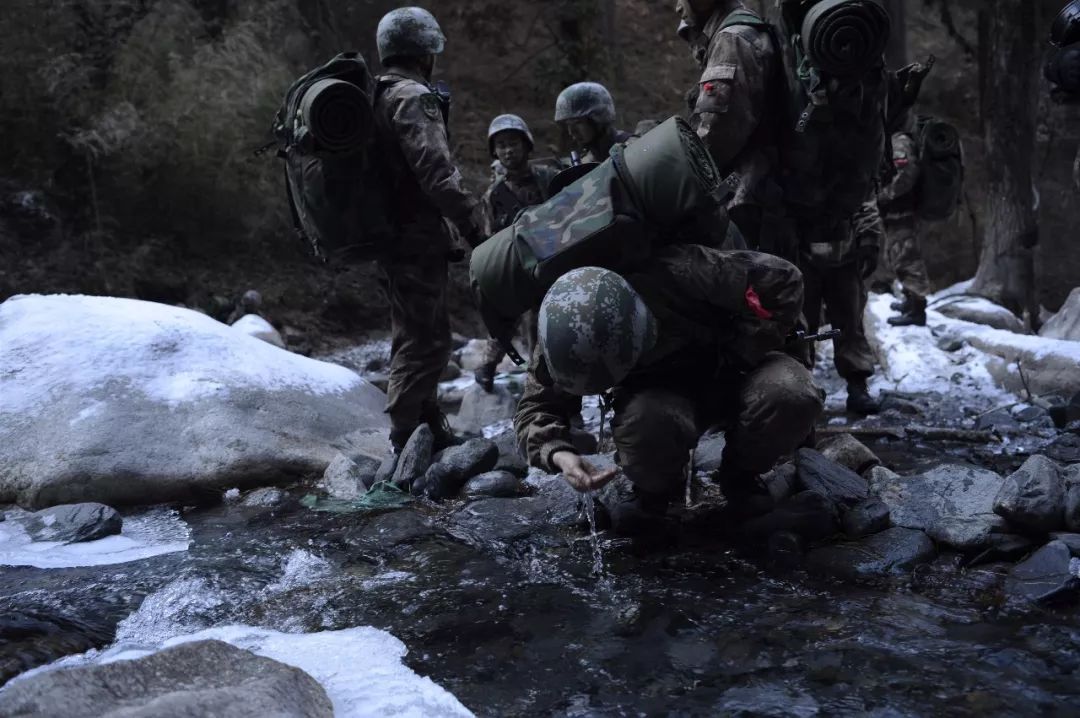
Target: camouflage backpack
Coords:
[(941, 169), (326, 134), (609, 218)]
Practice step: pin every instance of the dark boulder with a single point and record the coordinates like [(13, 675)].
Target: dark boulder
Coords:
[(893, 551), (808, 514), (1033, 497), (455, 466), (1049, 574), (73, 523), (869, 517), (838, 483), (415, 458), (848, 451), (494, 485)]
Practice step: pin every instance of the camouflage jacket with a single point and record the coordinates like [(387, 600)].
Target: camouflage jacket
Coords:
[(719, 313), (837, 243), (737, 98), (427, 184), (508, 195), (897, 195)]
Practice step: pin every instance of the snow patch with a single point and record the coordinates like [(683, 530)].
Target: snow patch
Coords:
[(61, 345), (143, 536)]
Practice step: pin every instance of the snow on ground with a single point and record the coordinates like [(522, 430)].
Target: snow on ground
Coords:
[(61, 343), (360, 668), (154, 533)]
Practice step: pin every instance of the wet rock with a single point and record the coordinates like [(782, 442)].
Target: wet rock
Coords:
[(892, 551), (554, 507), (454, 466), (880, 476), (933, 501), (869, 517), (73, 523), (347, 479), (1049, 574), (203, 408), (848, 451), (979, 310), (1065, 448), (510, 458), (950, 344), (1065, 324), (386, 470), (900, 405), (781, 482), (1003, 547), (1028, 414), (964, 534), (766, 701), (266, 498), (451, 372), (200, 678), (495, 485), (1033, 497), (808, 514), (1072, 540), (710, 452), (255, 326), (997, 420), (480, 408), (838, 483), (415, 458), (395, 528), (1070, 477)]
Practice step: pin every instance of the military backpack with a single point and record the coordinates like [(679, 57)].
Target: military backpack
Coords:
[(326, 134), (941, 169)]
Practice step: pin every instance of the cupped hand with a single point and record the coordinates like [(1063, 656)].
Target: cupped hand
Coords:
[(580, 474)]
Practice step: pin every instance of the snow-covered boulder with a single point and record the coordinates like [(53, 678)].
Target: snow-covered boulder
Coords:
[(1066, 323), (979, 310), (126, 402), (255, 326)]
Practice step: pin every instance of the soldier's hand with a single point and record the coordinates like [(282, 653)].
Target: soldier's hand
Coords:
[(580, 474), (868, 259)]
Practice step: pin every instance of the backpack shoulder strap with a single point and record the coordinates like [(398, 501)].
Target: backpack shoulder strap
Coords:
[(744, 17)]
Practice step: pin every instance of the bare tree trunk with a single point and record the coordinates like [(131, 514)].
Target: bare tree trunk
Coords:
[(1006, 273), (611, 37), (896, 54)]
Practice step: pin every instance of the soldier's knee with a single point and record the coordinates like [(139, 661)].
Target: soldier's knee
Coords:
[(784, 390), (654, 435)]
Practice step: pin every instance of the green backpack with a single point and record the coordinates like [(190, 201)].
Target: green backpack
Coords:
[(611, 218), (326, 134)]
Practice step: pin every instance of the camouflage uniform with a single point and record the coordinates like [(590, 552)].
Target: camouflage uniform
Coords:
[(714, 359), (600, 148), (897, 202), (427, 188), (733, 111)]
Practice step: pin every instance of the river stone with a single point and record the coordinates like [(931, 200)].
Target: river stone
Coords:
[(869, 517), (495, 485), (554, 507), (265, 498), (892, 551), (480, 408), (838, 483), (349, 479), (997, 420), (201, 678), (73, 523), (510, 458), (395, 528), (1033, 496), (121, 402), (941, 495), (1003, 547), (1050, 573), (456, 465), (1070, 477), (808, 514), (980, 310), (781, 481), (965, 534), (415, 458), (848, 451), (1066, 323), (1072, 540)]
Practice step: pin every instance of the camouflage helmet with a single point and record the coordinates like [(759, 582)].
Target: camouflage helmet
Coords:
[(593, 329), (502, 123), (585, 99), (409, 32)]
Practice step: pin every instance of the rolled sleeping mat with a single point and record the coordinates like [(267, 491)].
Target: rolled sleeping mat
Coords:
[(1066, 27), (337, 114), (940, 139), (1063, 69), (845, 37), (670, 173)]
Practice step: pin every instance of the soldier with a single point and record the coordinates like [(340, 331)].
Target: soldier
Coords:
[(733, 111), (428, 189), (691, 339), (897, 202), (587, 112), (520, 185)]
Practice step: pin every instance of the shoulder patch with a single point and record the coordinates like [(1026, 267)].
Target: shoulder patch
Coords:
[(722, 71), (430, 103)]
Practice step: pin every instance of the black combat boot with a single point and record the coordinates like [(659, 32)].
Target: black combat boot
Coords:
[(440, 429), (640, 514), (746, 496), (485, 377), (913, 313), (899, 305), (859, 400)]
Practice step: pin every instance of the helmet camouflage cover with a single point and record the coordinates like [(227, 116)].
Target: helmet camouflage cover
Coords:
[(502, 123), (585, 99), (593, 329), (409, 32)]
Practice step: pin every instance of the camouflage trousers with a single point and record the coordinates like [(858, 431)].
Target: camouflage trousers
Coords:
[(842, 294), (494, 352), (420, 339), (903, 256), (767, 413)]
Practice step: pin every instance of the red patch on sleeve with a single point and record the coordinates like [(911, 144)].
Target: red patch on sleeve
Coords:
[(709, 88), (754, 302), (902, 162)]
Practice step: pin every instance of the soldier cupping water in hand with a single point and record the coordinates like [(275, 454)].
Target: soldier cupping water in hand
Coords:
[(412, 119), (586, 111), (691, 340)]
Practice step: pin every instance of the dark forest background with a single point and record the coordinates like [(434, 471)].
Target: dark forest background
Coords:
[(128, 127)]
